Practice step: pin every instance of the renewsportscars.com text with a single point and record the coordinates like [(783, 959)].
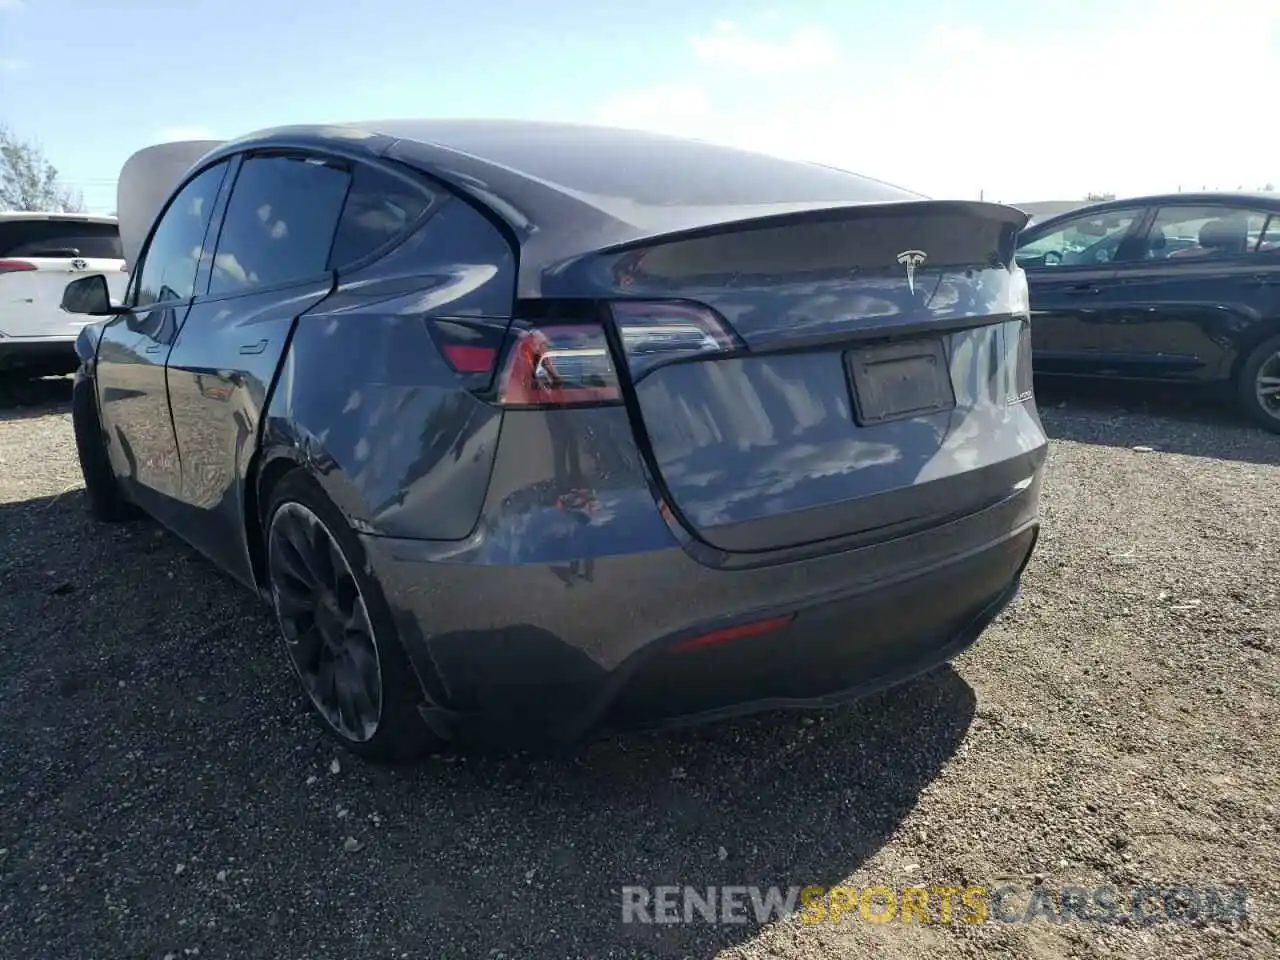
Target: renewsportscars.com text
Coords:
[(937, 904)]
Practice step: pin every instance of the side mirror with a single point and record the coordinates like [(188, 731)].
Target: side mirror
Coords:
[(90, 295)]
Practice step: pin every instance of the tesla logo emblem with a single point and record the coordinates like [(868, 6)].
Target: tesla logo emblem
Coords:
[(78, 264), (911, 259)]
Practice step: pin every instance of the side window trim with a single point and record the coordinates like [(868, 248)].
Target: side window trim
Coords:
[(204, 270), (1134, 243), (135, 276), (224, 201), (438, 196)]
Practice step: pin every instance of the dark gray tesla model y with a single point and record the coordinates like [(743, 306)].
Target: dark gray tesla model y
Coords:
[(537, 429)]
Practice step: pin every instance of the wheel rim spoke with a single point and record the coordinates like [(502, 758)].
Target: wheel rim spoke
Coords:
[(325, 622), (291, 566), (1266, 385)]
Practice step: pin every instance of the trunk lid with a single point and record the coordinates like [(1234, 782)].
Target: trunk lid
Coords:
[(882, 381)]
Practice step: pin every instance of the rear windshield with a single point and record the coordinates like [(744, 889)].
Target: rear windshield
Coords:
[(59, 238)]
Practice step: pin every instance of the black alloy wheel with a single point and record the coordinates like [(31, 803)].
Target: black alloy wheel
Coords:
[(1266, 385), (327, 629), (337, 627), (1258, 385)]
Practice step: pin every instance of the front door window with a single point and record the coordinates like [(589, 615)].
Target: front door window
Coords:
[(1085, 241)]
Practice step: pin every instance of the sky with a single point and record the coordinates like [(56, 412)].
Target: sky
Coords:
[(1007, 99)]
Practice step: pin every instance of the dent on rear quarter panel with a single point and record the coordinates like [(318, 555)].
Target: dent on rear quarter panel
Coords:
[(366, 399)]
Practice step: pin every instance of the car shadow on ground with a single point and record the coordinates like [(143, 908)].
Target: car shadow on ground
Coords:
[(23, 397), (165, 752), (1172, 419)]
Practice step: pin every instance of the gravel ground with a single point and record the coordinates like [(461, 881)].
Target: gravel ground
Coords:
[(162, 793)]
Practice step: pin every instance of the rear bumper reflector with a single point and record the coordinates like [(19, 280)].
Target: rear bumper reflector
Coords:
[(752, 629)]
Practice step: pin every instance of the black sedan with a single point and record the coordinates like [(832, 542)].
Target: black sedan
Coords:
[(536, 429), (1182, 287)]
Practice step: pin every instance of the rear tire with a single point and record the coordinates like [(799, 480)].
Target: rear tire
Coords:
[(1255, 380), (337, 628), (103, 495)]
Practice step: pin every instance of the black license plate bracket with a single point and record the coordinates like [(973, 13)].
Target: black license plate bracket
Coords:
[(899, 381)]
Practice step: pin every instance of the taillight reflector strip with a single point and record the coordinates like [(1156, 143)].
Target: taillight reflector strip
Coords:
[(753, 629), (16, 266)]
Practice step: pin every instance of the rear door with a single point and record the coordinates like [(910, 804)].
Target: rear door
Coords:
[(39, 257), (1071, 272), (882, 382), (271, 263), (1196, 283)]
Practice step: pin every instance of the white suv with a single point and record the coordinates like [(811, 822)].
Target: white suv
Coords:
[(39, 254)]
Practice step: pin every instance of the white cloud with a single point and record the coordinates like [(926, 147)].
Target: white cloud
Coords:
[(1162, 94), (172, 134), (728, 46), (8, 64)]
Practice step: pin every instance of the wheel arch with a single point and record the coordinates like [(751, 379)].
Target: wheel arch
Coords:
[(276, 458), (1268, 330), (267, 468)]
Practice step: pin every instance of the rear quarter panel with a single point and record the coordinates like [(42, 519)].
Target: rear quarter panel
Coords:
[(365, 399)]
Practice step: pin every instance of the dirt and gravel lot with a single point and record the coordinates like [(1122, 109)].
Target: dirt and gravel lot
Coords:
[(162, 793)]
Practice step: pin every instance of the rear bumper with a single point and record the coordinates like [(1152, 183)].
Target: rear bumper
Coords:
[(552, 651), (17, 353)]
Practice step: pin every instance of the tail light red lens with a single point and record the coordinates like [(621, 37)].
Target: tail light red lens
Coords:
[(558, 365), (571, 363), (471, 348), (654, 332), (16, 266), (467, 358), (727, 634)]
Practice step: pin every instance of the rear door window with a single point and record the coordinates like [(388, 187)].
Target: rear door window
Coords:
[(280, 222), (1269, 242), (60, 238), (1180, 233), (380, 208)]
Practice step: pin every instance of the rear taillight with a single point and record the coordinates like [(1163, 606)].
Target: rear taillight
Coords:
[(16, 266), (470, 347), (558, 365), (655, 332), (571, 363)]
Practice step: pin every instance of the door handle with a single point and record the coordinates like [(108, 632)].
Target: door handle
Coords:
[(253, 347), (1082, 290), (153, 348)]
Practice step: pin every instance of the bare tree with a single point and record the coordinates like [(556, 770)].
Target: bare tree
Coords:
[(1096, 197), (28, 181)]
